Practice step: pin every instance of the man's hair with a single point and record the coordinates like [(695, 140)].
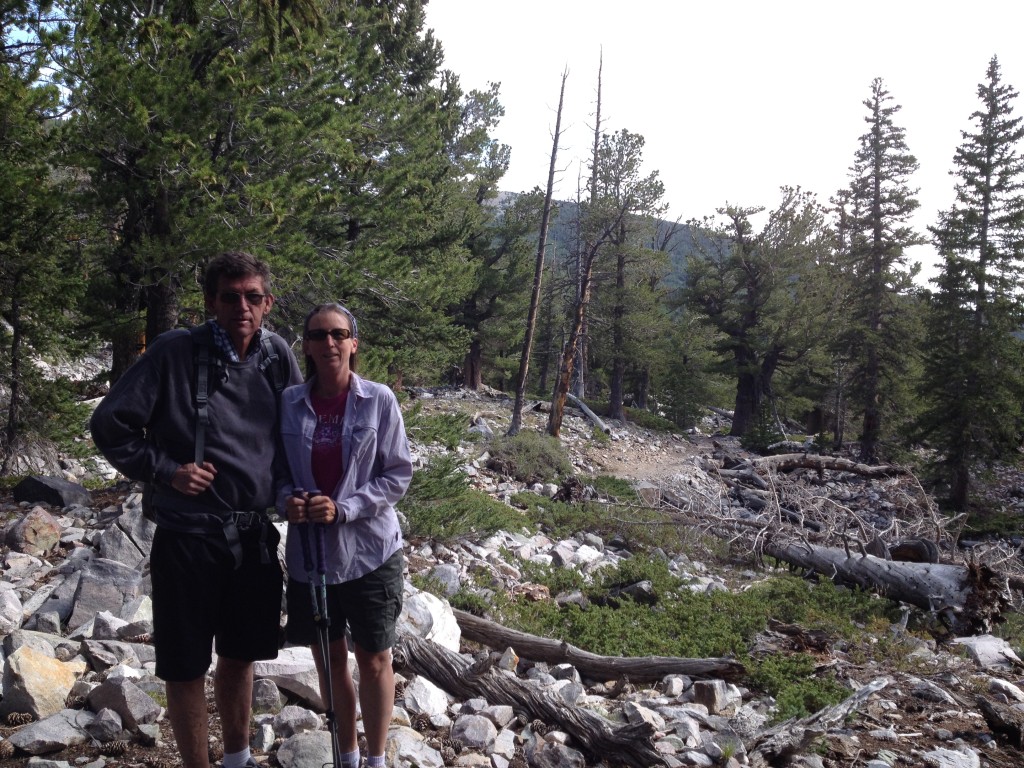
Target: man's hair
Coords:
[(232, 265)]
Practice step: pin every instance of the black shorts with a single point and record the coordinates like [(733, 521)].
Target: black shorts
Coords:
[(369, 606), (199, 597)]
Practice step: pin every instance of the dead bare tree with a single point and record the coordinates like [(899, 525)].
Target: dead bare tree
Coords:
[(542, 240)]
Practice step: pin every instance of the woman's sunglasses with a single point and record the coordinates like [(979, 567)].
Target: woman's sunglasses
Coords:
[(319, 334)]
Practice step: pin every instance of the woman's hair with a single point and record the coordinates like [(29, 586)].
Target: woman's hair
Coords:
[(338, 309)]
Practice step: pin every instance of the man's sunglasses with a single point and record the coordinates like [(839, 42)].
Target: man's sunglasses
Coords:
[(319, 334), (234, 297)]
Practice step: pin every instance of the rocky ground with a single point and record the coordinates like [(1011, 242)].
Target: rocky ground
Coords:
[(927, 710)]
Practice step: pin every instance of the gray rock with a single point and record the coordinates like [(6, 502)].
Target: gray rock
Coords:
[(59, 731), (106, 585), (293, 719), (103, 654), (106, 726), (447, 575), (10, 611), (57, 597), (549, 755), (55, 491), (48, 622), (408, 747), (422, 696), (37, 533), (266, 696), (124, 697), (474, 731), (294, 672), (948, 758), (310, 749), (129, 540), (36, 683)]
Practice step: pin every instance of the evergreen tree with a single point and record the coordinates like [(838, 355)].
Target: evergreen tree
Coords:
[(339, 151), (879, 205), (40, 278), (762, 292), (973, 383)]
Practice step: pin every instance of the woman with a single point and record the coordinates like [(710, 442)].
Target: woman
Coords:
[(344, 435)]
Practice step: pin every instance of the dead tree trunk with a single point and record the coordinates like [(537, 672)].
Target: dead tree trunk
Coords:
[(538, 274), (632, 745), (591, 665), (968, 599)]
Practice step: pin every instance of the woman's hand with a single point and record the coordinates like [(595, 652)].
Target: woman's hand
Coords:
[(311, 509), (321, 509)]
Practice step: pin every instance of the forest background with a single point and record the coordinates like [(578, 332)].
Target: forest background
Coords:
[(139, 140)]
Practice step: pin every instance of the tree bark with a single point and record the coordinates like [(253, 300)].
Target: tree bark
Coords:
[(968, 599), (631, 745), (647, 669), (531, 319)]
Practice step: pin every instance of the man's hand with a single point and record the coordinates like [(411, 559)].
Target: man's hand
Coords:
[(193, 480)]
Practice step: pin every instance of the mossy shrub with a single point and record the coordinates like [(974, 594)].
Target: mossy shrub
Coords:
[(530, 456)]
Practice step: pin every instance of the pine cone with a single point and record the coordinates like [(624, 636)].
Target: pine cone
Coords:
[(6, 749), (522, 717), (19, 718), (114, 748), (399, 690), (74, 701), (421, 722), (448, 755), (454, 744), (538, 727), (145, 638), (518, 761)]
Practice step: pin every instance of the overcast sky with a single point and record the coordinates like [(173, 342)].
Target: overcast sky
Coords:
[(734, 99)]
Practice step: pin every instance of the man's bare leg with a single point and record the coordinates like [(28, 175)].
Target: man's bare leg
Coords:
[(232, 690), (186, 709)]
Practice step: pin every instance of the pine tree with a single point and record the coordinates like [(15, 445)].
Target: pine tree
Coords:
[(876, 222), (40, 275), (973, 384), (761, 292)]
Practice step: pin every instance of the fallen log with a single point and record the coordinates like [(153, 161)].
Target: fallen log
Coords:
[(591, 665), (590, 414), (969, 599), (793, 737), (784, 462), (632, 744)]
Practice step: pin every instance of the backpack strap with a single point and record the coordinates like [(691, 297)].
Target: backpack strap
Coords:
[(201, 347), (272, 364)]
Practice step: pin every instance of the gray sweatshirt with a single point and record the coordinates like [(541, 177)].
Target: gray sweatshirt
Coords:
[(145, 426)]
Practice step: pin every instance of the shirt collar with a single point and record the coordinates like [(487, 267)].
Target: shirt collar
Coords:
[(223, 342)]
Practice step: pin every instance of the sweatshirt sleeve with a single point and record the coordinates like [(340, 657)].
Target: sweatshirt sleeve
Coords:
[(121, 424)]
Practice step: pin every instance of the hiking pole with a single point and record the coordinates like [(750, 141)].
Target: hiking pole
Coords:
[(320, 617)]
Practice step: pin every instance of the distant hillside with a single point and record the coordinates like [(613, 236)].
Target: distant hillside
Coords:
[(560, 238)]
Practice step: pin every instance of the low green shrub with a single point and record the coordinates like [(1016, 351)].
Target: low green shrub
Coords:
[(447, 429), (530, 457), (791, 679), (440, 504)]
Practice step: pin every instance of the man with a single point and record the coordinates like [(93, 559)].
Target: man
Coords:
[(210, 458)]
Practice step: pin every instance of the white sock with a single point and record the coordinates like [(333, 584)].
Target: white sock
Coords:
[(350, 759), (237, 759), (375, 761)]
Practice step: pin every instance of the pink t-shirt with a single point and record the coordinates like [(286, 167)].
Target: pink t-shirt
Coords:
[(326, 458)]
